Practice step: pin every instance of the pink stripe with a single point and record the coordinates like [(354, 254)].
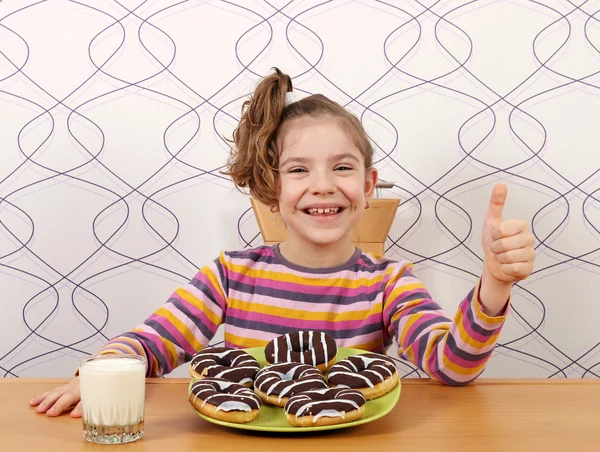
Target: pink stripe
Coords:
[(479, 321), (466, 347), (197, 313), (392, 305), (360, 261), (463, 362), (266, 336), (433, 363), (398, 283), (304, 323), (216, 294), (198, 294), (461, 377), (247, 333), (266, 300), (307, 289), (424, 317), (363, 339), (468, 328)]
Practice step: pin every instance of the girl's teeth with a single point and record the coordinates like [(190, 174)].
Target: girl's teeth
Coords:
[(325, 210)]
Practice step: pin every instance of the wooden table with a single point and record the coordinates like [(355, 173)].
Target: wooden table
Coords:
[(489, 415)]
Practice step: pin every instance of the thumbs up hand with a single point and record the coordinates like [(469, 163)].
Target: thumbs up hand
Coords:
[(507, 244)]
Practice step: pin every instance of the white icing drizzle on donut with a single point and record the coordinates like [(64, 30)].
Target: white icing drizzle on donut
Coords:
[(377, 367), (307, 403), (319, 349), (207, 355), (245, 399), (352, 403), (288, 341), (233, 406), (329, 413), (275, 381), (324, 348)]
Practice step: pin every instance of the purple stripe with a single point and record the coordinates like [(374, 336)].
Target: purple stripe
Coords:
[(178, 337), (197, 313), (471, 328), (315, 324), (278, 286), (281, 325), (216, 294), (405, 297)]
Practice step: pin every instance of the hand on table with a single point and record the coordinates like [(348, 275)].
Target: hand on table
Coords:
[(59, 400)]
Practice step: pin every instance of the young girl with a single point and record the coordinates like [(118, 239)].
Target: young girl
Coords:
[(311, 161)]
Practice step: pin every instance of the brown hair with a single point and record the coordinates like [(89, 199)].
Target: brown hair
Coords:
[(254, 159)]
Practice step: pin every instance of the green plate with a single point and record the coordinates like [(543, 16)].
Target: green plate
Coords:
[(272, 419)]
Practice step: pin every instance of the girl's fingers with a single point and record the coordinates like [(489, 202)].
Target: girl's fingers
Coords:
[(76, 411), (37, 400)]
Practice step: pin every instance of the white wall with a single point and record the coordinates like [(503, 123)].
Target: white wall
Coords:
[(110, 149)]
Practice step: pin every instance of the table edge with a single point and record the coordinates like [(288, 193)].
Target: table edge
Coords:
[(404, 381)]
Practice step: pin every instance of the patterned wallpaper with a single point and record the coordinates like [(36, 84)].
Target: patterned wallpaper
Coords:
[(114, 122)]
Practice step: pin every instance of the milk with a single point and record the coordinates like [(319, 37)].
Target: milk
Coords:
[(112, 390)]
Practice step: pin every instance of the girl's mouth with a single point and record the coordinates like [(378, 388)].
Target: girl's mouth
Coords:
[(323, 211)]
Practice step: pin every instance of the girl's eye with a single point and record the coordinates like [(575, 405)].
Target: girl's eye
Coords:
[(297, 170), (343, 168)]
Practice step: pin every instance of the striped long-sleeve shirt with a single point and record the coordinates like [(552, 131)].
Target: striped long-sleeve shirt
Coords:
[(365, 303)]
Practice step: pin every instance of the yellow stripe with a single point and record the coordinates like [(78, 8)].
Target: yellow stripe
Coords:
[(412, 319), (456, 368), (181, 327), (132, 346), (199, 304), (464, 335), (214, 280), (238, 341), (462, 370), (315, 282), (398, 291), (256, 308)]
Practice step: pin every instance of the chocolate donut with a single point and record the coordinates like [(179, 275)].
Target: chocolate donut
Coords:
[(227, 363), (372, 374), (325, 407), (306, 347), (224, 400), (276, 383)]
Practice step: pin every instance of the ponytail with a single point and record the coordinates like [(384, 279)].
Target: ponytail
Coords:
[(254, 160)]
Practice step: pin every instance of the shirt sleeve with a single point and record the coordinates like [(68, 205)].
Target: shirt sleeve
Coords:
[(182, 326), (453, 352)]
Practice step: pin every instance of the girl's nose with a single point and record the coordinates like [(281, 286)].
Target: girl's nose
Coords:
[(322, 184)]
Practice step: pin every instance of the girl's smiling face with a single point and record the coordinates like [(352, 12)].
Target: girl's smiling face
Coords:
[(323, 183)]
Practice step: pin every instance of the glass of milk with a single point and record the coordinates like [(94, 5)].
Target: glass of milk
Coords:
[(112, 397)]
